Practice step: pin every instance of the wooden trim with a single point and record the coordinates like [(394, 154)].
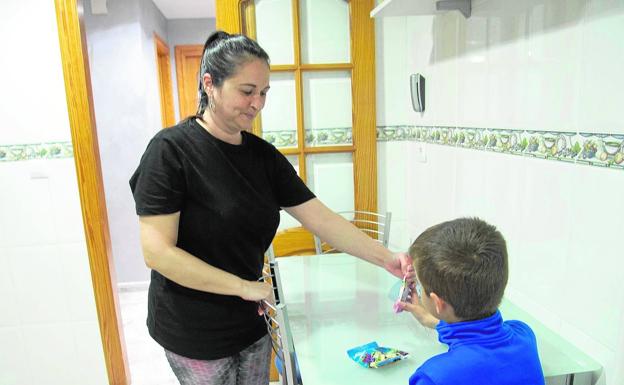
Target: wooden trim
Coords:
[(228, 15), (181, 52), (303, 174), (283, 67), (90, 186), (249, 18), (289, 150), (163, 64), (293, 241), (326, 67), (328, 149), (296, 32), (300, 124), (316, 150), (249, 28), (364, 103)]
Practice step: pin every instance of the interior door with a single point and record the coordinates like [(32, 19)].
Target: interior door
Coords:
[(320, 112), (164, 82), (188, 59)]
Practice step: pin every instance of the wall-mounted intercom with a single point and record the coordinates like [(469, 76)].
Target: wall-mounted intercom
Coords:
[(417, 88)]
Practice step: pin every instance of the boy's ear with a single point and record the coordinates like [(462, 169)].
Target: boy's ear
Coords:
[(440, 305)]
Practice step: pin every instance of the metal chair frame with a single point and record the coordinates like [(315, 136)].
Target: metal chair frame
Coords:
[(276, 318), (382, 234)]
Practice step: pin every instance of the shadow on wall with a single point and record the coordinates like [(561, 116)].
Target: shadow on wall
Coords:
[(501, 22)]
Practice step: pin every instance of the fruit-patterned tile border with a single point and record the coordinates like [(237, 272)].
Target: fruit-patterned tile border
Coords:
[(18, 152), (317, 137), (603, 150)]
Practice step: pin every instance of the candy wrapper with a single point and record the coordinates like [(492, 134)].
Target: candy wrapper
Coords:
[(405, 292), (372, 355)]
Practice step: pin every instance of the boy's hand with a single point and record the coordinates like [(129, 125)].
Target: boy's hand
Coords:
[(400, 265), (419, 312)]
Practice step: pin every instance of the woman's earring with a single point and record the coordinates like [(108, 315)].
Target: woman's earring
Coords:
[(211, 104)]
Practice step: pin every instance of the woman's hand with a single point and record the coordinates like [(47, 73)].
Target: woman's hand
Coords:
[(255, 291), (400, 265)]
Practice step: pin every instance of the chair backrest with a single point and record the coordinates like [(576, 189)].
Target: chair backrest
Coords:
[(276, 318), (376, 225)]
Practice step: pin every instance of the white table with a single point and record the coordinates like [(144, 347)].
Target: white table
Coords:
[(336, 302)]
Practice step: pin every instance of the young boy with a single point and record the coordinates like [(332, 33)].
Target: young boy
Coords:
[(461, 273)]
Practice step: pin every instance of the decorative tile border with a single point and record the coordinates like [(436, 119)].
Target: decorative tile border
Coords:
[(53, 150), (284, 138), (603, 150), (329, 137), (320, 137)]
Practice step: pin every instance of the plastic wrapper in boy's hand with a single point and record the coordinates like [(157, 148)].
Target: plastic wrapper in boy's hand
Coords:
[(372, 355), (405, 294)]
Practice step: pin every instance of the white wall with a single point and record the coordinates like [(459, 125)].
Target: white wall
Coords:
[(49, 331), (122, 60), (533, 65), (122, 79)]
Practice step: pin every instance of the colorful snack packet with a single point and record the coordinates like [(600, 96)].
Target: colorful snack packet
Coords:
[(371, 355)]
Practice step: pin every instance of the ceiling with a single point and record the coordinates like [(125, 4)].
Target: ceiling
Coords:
[(186, 9)]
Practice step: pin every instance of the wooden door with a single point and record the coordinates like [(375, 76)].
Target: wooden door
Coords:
[(164, 82), (188, 60)]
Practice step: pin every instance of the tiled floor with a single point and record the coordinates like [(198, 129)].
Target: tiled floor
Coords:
[(148, 365)]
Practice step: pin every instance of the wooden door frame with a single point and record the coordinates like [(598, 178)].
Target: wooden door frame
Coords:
[(163, 66), (76, 74)]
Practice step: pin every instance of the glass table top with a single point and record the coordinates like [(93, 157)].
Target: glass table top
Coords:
[(337, 302)]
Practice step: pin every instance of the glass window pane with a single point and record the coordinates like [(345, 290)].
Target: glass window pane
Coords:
[(330, 177), (279, 116), (327, 108), (274, 29), (286, 220), (325, 36)]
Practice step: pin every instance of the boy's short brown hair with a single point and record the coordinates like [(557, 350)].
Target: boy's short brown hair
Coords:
[(463, 261)]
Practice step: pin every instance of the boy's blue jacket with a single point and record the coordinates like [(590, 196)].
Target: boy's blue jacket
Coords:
[(483, 352)]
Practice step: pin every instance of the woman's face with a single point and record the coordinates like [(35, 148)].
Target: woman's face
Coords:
[(241, 97)]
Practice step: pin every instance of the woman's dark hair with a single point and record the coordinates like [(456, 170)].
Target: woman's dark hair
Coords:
[(223, 55), (463, 261)]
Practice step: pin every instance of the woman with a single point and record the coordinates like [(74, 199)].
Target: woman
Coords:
[(208, 195)]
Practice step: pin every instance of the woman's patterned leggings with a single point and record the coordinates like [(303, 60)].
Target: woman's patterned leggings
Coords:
[(249, 367)]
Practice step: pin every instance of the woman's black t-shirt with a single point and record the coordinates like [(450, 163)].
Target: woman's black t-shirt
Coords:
[(229, 197)]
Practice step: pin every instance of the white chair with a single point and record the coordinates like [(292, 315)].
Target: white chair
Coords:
[(376, 225)]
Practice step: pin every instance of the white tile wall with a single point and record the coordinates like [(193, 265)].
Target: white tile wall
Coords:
[(48, 323), (78, 289), (392, 190), (393, 99), (14, 368), (66, 212), (32, 87), (46, 281), (601, 82), (542, 65), (39, 287)]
